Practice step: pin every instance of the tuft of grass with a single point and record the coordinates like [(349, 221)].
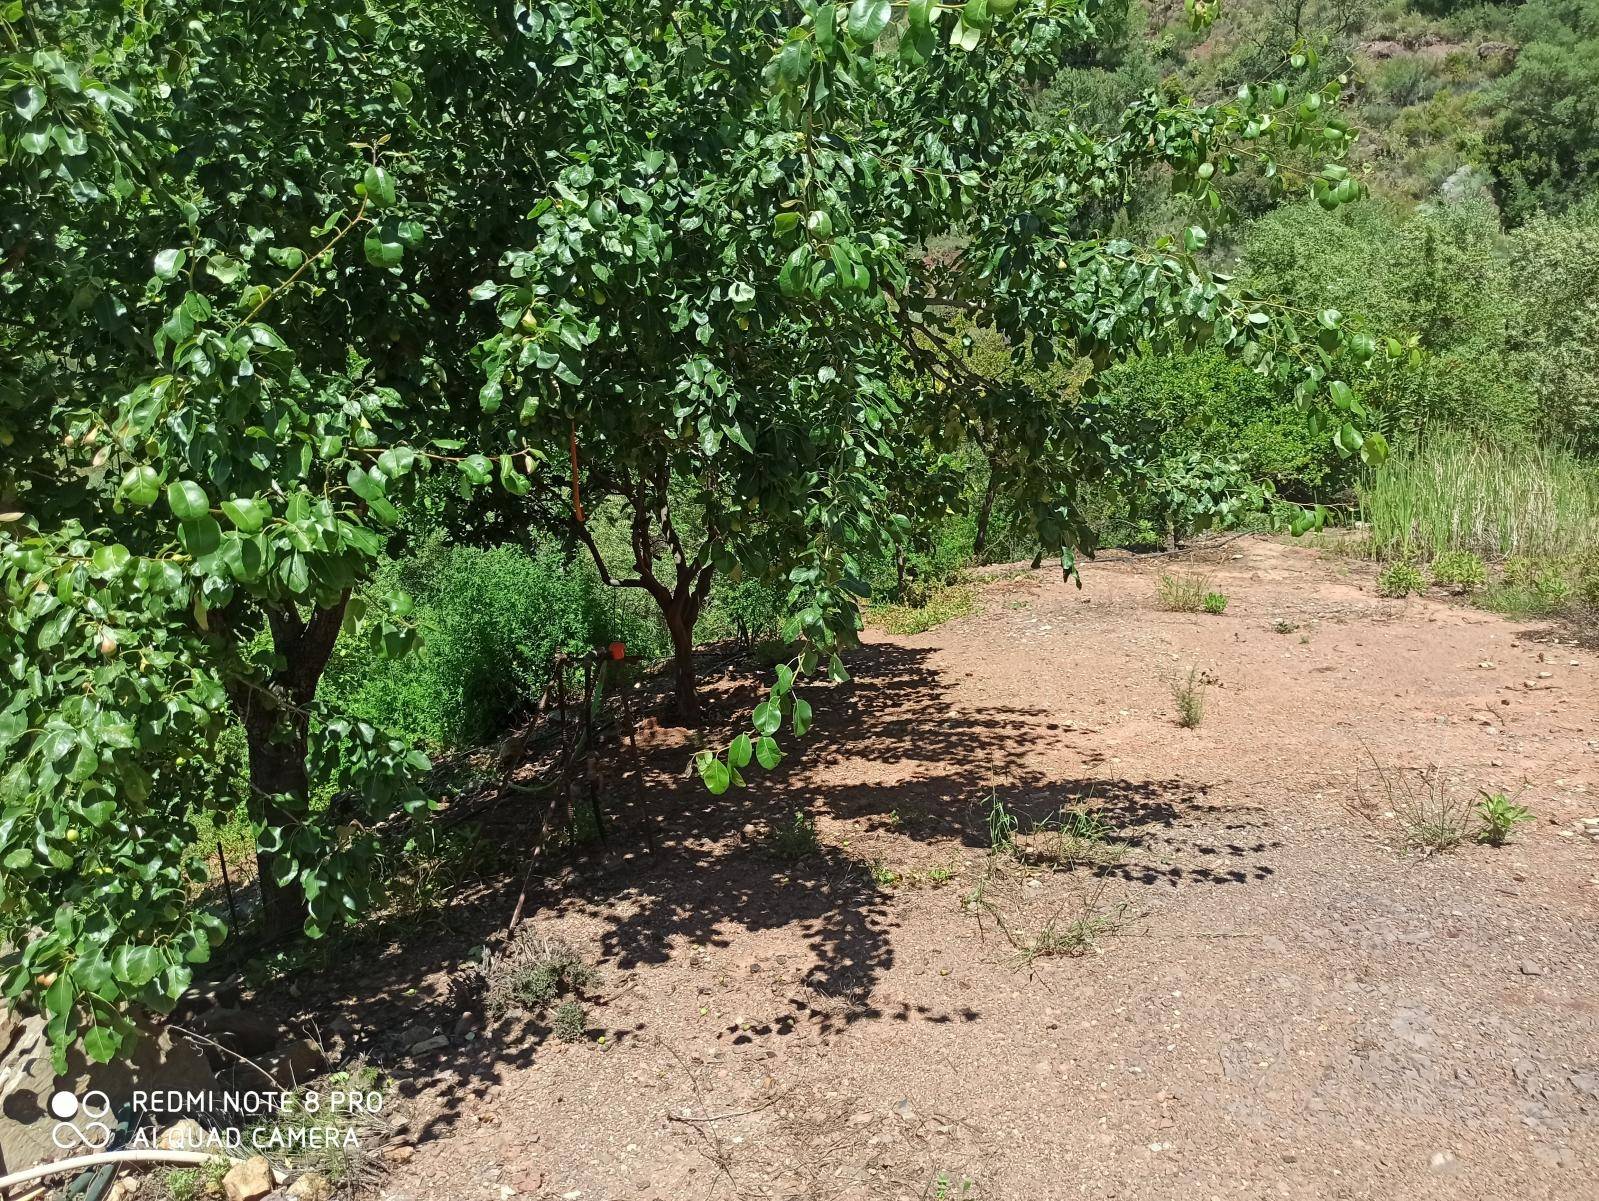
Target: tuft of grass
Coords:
[(1499, 816), (1189, 696), (1183, 594), (1453, 493), (1539, 587), (1215, 603), (1069, 935), (1002, 826), (945, 1188), (1072, 838), (1432, 818), (1399, 579), (796, 841), (1283, 626), (570, 1021), (531, 973), (944, 604), (1462, 569)]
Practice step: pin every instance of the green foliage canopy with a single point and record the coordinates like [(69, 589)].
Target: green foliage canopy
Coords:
[(249, 256)]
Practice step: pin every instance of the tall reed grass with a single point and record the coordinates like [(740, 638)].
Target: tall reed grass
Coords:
[(1454, 493)]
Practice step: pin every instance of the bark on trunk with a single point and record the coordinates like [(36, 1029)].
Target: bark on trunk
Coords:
[(275, 728), (685, 698), (277, 768), (980, 542)]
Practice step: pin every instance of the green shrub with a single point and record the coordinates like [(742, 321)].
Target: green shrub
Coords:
[(1183, 593), (1538, 587), (1544, 145), (1189, 696), (490, 622), (1587, 574), (531, 974), (1459, 569), (796, 841), (946, 604), (1400, 579), (750, 609), (570, 1021), (1500, 816), (1215, 603), (1214, 405)]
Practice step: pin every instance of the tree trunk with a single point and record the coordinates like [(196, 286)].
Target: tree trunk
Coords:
[(277, 746), (680, 624), (980, 542), (275, 730)]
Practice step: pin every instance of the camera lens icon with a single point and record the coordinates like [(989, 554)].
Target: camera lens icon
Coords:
[(81, 1122)]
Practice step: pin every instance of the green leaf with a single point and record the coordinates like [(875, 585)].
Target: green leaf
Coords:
[(28, 101), (919, 13), (169, 262), (141, 485), (868, 19), (136, 966), (101, 1044), (767, 753), (200, 537), (246, 513), (714, 772), (379, 186), (108, 561), (224, 268), (187, 500), (802, 716), (383, 250), (767, 717), (477, 469), (740, 752)]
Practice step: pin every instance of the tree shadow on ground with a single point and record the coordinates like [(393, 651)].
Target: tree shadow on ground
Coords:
[(683, 869)]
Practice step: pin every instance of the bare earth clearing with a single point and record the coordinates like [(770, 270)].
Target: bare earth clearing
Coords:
[(1282, 1001)]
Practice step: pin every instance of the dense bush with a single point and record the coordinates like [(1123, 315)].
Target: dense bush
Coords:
[(1544, 145), (490, 622), (1443, 271), (1208, 404), (1554, 321)]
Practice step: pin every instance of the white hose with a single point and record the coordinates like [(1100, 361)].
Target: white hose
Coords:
[(104, 1157)]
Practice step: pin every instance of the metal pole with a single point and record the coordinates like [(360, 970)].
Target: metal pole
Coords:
[(233, 910)]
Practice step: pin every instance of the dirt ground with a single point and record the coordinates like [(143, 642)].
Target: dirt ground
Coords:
[(1272, 996)]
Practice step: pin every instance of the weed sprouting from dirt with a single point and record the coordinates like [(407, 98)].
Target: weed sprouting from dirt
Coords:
[(571, 1018), (1399, 579), (1431, 815), (1284, 626), (1002, 826), (1073, 926), (1188, 695), (532, 973), (1215, 603), (1183, 594), (1069, 934), (1499, 815), (796, 841), (945, 1188), (194, 1184), (1460, 569), (293, 1137), (1072, 838)]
